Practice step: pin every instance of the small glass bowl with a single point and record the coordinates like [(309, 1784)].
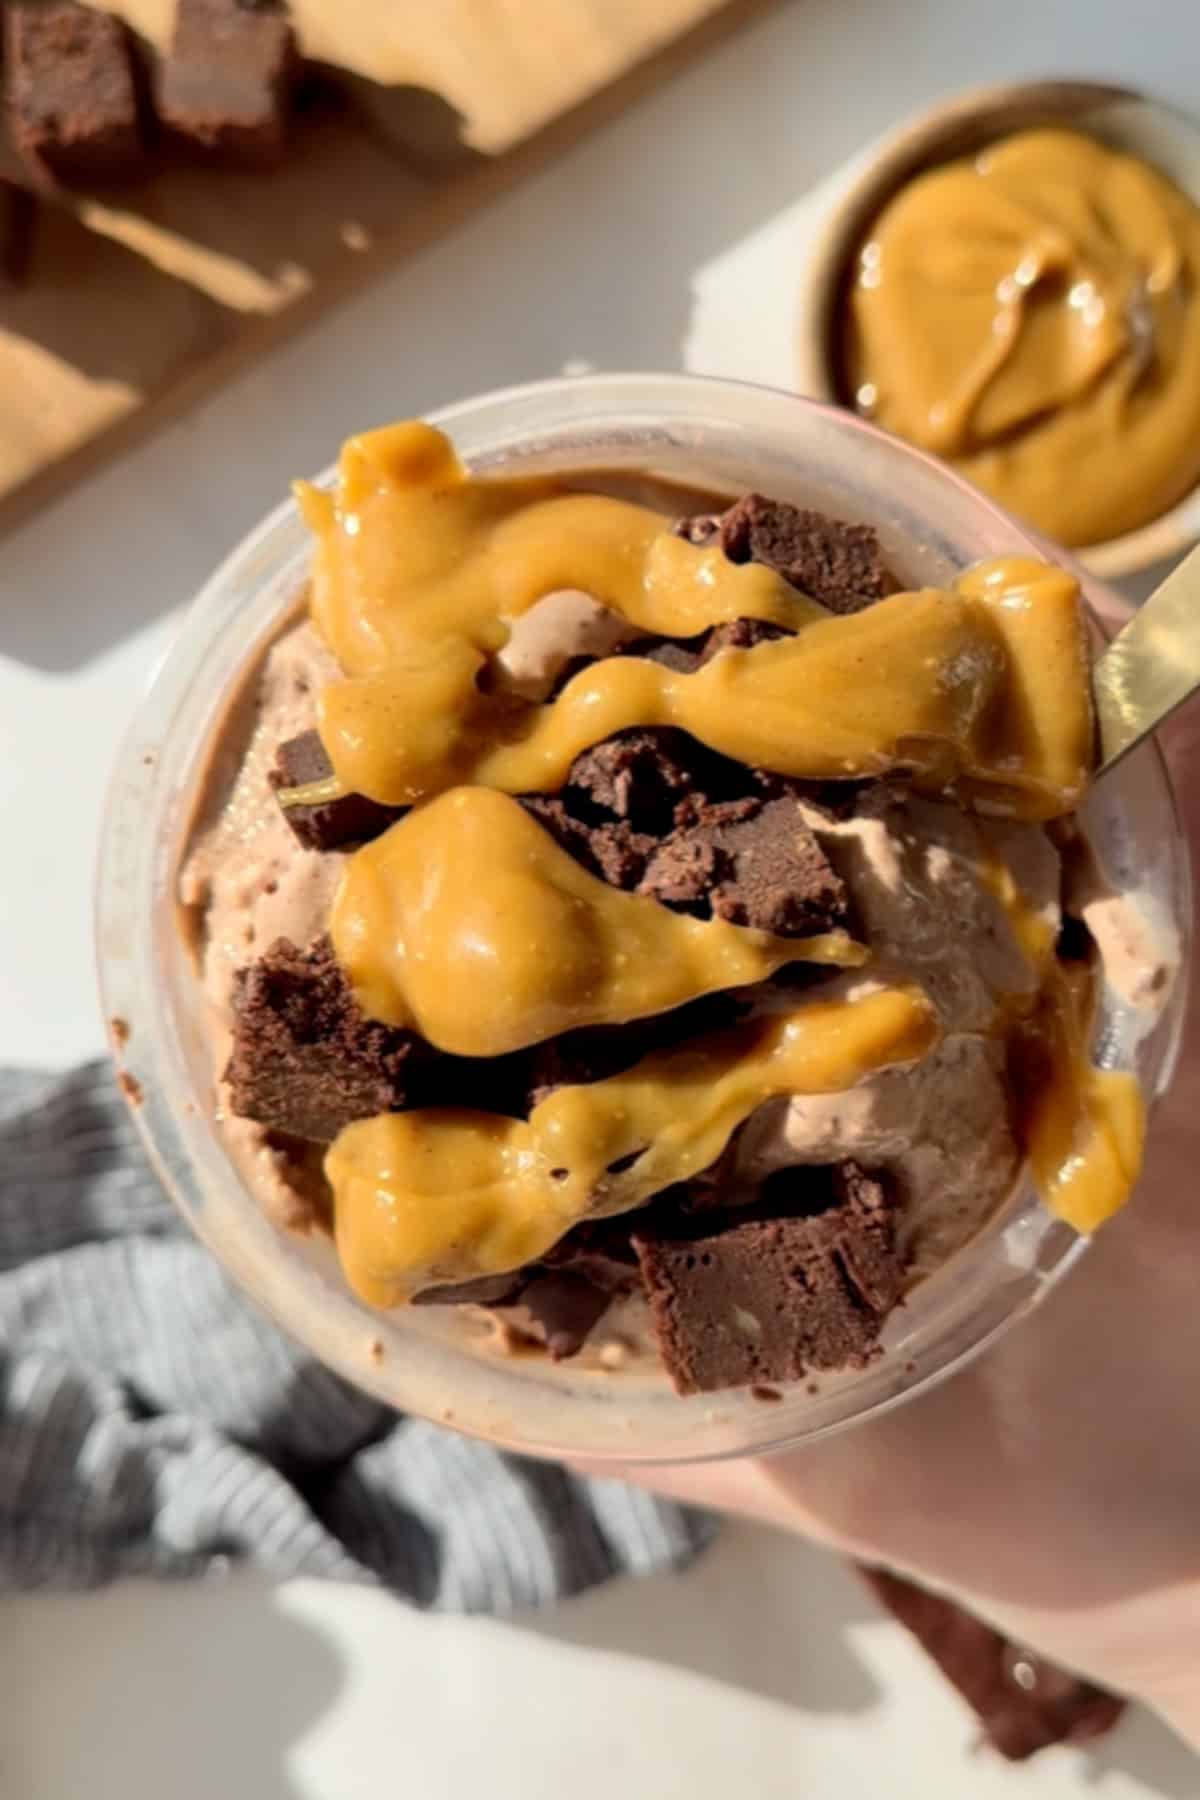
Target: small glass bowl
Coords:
[(718, 436)]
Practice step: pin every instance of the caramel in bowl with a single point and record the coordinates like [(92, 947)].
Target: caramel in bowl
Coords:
[(1067, 412)]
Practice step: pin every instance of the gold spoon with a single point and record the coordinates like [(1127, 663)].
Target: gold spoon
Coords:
[(1151, 667)]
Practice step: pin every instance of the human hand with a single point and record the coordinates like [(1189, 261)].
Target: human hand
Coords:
[(1054, 1485)]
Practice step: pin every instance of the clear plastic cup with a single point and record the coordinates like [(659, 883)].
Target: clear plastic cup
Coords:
[(715, 435)]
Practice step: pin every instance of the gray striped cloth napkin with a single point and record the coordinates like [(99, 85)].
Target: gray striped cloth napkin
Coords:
[(152, 1422)]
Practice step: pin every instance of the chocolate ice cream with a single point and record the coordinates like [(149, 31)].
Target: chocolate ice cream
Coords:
[(612, 915)]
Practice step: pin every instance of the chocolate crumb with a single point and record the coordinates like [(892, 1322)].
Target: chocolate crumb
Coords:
[(375, 1351), (130, 1086), (759, 1392), (120, 1030), (700, 528)]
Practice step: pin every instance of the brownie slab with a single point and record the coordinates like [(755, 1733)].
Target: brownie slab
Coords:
[(740, 1301), (306, 1060), (839, 564), (70, 92), (225, 84)]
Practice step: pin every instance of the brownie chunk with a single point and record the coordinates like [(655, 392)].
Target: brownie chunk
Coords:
[(226, 81), (350, 819), (17, 210), (306, 1060), (597, 1051), (638, 775), (562, 1297), (1024, 1703), (600, 1250), (681, 654), (562, 1307), (685, 655), (486, 1290), (71, 93), (752, 863), (744, 1300), (655, 812), (611, 849), (838, 564), (740, 634)]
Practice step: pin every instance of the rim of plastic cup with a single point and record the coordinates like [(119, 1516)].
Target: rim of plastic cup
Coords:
[(423, 1360)]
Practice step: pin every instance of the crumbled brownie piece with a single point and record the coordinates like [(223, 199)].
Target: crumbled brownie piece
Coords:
[(656, 812), (1024, 1703), (563, 1296), (612, 850), (71, 93), (598, 1051), (742, 1300), (600, 1250), (699, 528), (226, 81), (562, 1307), (306, 1060), (688, 654), (740, 634), (17, 209), (752, 863), (838, 564), (637, 775), (653, 777), (350, 819), (681, 654), (486, 1290), (625, 794)]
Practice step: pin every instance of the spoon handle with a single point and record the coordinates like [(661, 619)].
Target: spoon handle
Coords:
[(1151, 667)]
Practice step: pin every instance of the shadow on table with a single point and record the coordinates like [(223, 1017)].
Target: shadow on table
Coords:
[(758, 1597), (467, 315), (266, 1679), (765, 1618), (1144, 1748)]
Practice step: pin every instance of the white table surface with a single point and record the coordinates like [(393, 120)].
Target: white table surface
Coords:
[(670, 1687)]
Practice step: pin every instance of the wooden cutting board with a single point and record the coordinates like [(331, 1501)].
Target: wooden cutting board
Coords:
[(142, 298)]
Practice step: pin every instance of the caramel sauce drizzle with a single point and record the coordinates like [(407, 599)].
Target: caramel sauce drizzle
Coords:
[(466, 921)]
